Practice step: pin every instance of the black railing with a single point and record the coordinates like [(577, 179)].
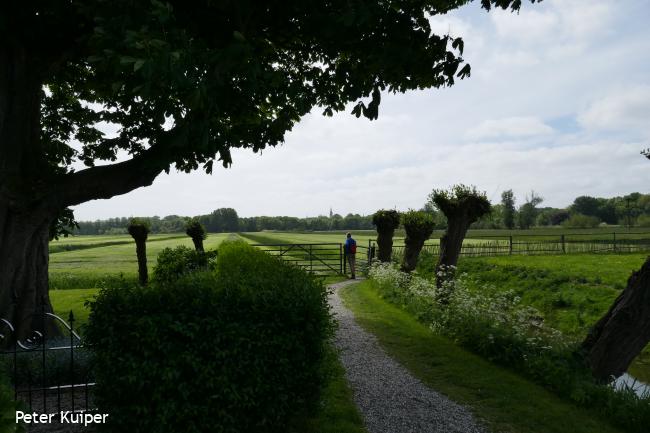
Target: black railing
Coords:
[(48, 375)]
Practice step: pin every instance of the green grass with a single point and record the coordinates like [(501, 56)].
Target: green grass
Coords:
[(337, 412), (105, 265), (64, 301), (571, 291), (505, 401)]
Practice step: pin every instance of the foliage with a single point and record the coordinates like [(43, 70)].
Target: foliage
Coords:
[(528, 211), (63, 225), (195, 229), (643, 221), (386, 220), (174, 263), (138, 229), (461, 200), (184, 85), (239, 350), (579, 221), (417, 224), (497, 326), (508, 202)]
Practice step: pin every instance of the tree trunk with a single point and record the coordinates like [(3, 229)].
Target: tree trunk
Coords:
[(141, 252), (385, 244), (621, 334), (412, 249), (451, 244), (198, 244), (24, 259)]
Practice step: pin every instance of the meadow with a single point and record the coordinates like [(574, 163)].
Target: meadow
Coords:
[(570, 290)]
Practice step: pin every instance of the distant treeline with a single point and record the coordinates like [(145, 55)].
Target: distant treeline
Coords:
[(585, 212), (226, 220)]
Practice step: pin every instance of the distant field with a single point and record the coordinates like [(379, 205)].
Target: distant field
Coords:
[(537, 234), (89, 267)]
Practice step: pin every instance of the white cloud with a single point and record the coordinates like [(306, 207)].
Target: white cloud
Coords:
[(622, 109), (509, 127)]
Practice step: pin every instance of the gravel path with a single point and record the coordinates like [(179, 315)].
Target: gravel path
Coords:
[(390, 399)]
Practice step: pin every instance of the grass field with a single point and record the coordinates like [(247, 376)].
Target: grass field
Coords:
[(96, 263)]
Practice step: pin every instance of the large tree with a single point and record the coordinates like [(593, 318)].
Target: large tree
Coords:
[(179, 84)]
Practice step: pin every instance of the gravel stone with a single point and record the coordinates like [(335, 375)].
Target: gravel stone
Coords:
[(390, 399)]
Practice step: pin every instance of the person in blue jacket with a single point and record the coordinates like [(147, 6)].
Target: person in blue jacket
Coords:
[(350, 250)]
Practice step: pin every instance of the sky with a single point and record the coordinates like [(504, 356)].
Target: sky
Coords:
[(558, 102)]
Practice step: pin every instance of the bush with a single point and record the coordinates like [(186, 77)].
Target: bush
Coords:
[(579, 221), (236, 350), (174, 263)]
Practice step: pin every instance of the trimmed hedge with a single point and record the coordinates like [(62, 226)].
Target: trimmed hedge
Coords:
[(241, 349)]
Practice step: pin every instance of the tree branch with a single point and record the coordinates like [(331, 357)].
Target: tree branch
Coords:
[(106, 181)]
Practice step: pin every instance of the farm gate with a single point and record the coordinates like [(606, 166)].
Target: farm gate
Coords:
[(318, 258)]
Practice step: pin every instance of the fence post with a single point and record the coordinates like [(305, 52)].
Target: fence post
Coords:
[(563, 244), (311, 265), (510, 245), (340, 258)]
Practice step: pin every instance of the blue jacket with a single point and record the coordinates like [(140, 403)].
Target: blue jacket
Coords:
[(348, 243)]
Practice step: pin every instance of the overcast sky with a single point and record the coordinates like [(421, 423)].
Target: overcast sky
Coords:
[(558, 102)]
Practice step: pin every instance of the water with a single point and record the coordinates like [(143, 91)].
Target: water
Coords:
[(627, 381)]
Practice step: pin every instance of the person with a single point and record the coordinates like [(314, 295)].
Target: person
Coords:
[(350, 250)]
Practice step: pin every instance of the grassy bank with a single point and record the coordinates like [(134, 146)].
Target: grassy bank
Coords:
[(505, 401), (571, 291)]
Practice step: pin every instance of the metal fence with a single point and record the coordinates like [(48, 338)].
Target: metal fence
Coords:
[(318, 258), (48, 376)]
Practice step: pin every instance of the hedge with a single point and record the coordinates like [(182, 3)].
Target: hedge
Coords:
[(240, 349)]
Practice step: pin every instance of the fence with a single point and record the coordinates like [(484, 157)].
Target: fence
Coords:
[(48, 376), (545, 244), (318, 258)]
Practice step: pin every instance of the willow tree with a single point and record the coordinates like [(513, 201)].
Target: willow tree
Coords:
[(195, 230), (139, 231), (179, 84), (462, 205), (386, 221), (418, 226)]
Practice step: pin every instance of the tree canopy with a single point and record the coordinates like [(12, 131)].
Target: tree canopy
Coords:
[(183, 83)]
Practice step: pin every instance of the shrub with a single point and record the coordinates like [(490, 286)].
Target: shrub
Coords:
[(236, 350), (579, 221), (181, 260)]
